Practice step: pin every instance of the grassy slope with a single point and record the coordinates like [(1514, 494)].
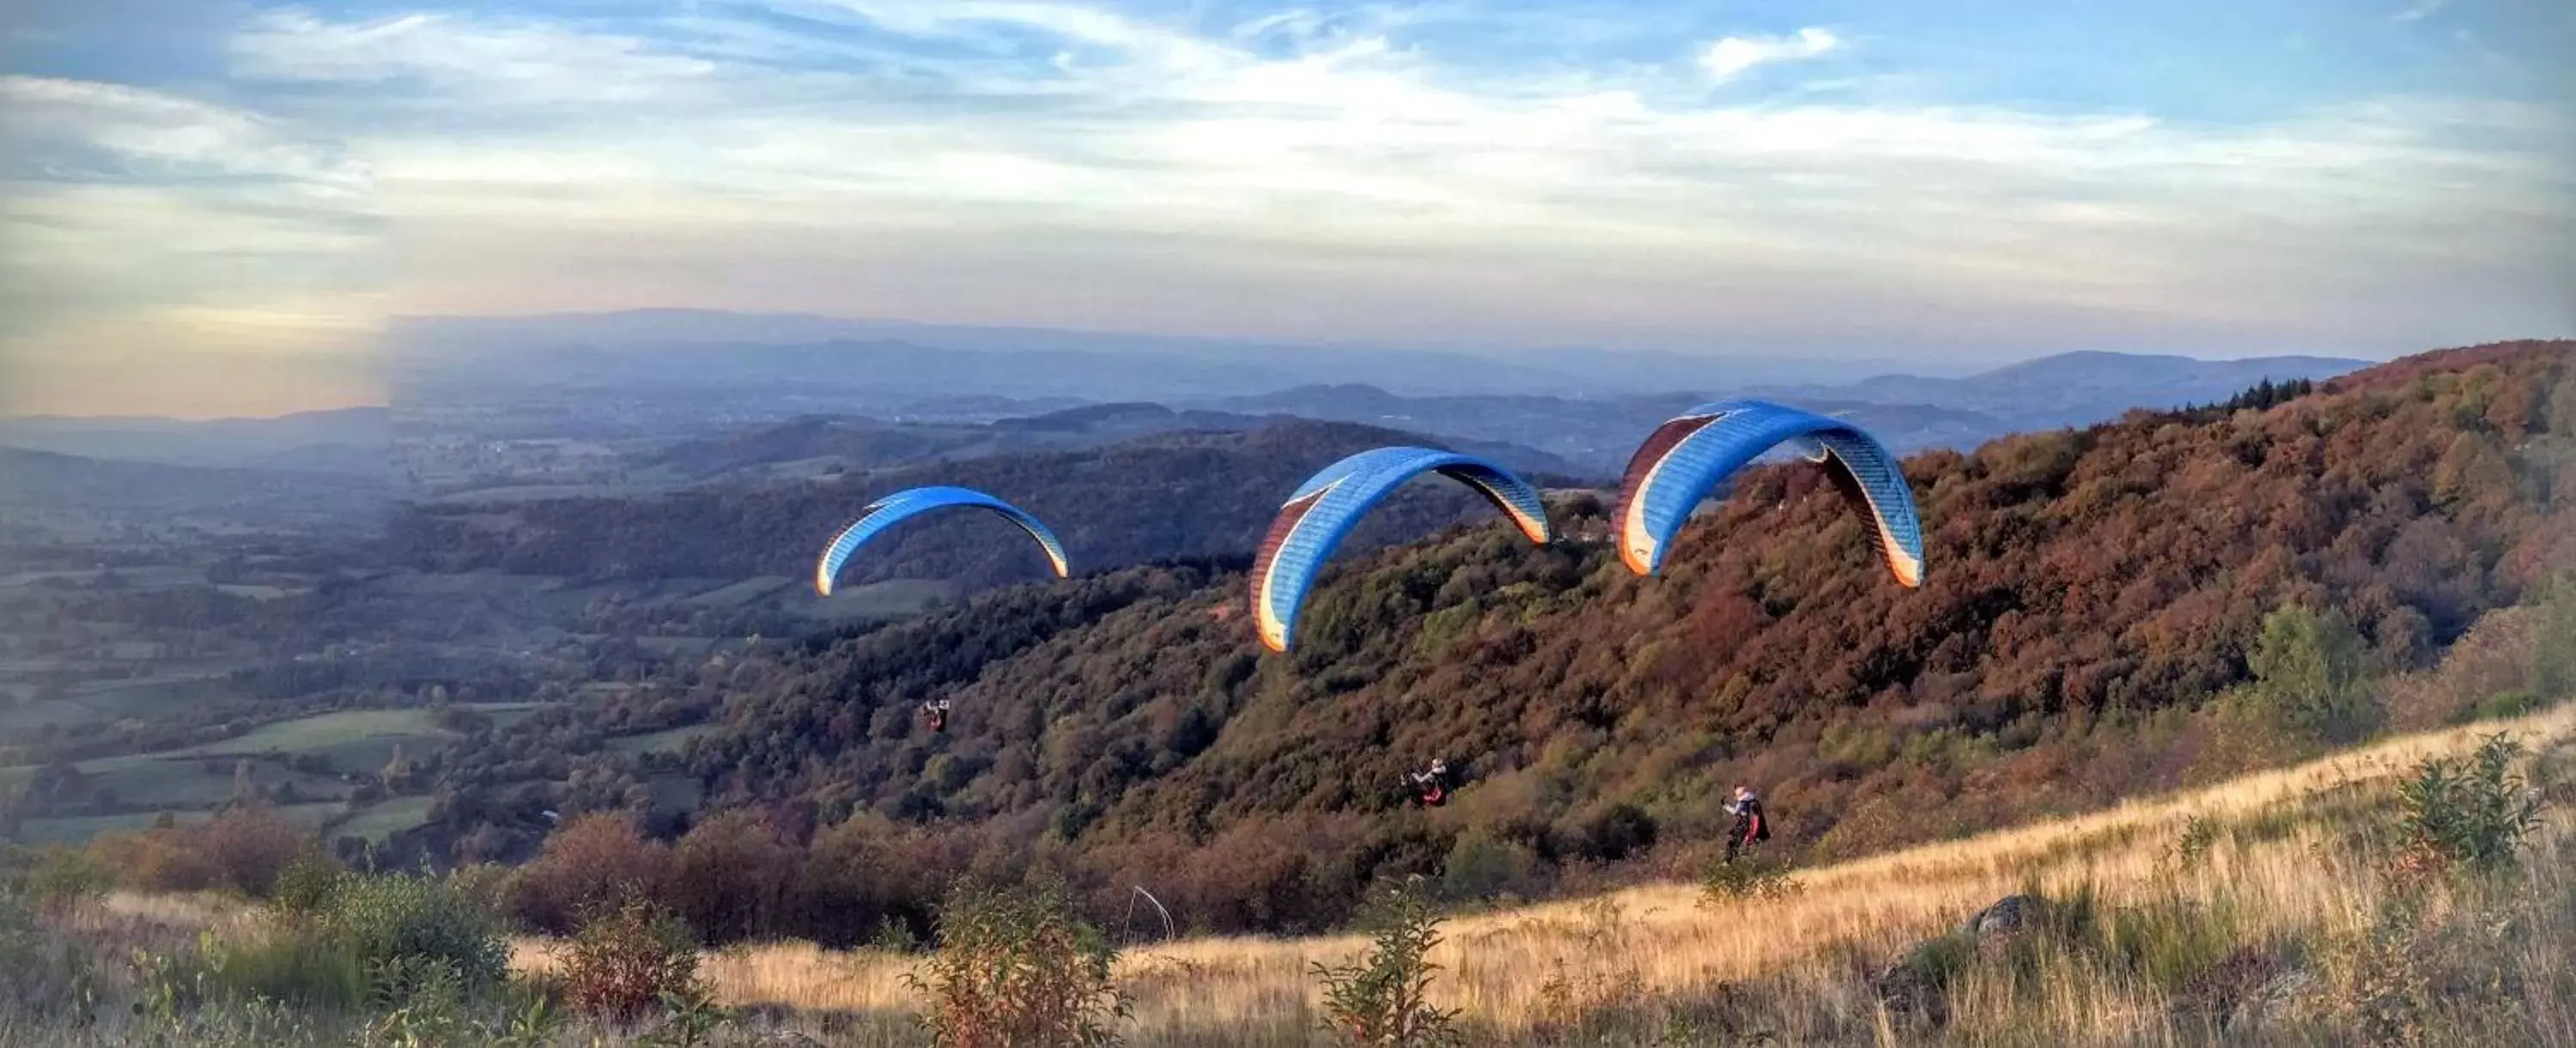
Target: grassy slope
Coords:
[(2277, 875)]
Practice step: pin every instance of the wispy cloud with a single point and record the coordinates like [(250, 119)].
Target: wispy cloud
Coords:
[(2418, 11), (1730, 57), (1339, 171), (147, 230)]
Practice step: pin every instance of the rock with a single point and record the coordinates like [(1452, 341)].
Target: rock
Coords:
[(1914, 988), (2010, 915)]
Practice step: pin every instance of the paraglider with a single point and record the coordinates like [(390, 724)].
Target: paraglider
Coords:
[(936, 713), (1750, 827), (904, 505), (1687, 456), (1432, 785), (1327, 506)]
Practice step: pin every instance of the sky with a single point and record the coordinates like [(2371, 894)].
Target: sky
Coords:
[(215, 207)]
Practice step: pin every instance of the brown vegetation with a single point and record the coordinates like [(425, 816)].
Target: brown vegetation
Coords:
[(2092, 627)]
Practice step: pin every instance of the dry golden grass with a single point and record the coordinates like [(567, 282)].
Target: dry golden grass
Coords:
[(2269, 888)]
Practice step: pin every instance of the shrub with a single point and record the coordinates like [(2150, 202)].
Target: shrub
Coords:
[(161, 859), (488, 886), (1617, 832), (250, 846), (41, 974), (63, 877), (1017, 967), (626, 959), (1381, 998), (1749, 877), (302, 965), (386, 917), (2472, 812), (595, 861), (1482, 867), (307, 887)]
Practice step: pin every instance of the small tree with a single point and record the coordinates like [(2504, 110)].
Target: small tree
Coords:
[(1018, 968), (2553, 670), (1382, 998), (2308, 669)]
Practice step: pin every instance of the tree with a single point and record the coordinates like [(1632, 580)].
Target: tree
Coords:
[(2554, 653), (2308, 670)]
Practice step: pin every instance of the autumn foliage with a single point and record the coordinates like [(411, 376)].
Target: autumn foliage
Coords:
[(2093, 624)]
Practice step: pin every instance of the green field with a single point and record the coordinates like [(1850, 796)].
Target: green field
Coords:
[(384, 819), (196, 779), (354, 739), (78, 828), (165, 780)]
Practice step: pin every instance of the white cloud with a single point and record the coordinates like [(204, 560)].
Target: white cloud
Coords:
[(2418, 11), (1350, 146), (511, 62), (991, 161), (1730, 57)]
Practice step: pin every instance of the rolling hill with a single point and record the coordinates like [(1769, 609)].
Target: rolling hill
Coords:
[(2091, 593)]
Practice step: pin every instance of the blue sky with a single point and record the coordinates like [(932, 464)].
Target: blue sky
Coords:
[(214, 206)]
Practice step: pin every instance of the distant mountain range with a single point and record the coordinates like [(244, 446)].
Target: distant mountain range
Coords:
[(2074, 389), (1908, 413), (663, 346), (700, 394)]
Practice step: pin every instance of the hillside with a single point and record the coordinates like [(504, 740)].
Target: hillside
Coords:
[(1174, 495), (2080, 583), (2252, 940), (811, 444)]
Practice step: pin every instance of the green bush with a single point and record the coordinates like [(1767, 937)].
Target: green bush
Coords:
[(2470, 812), (299, 965), (1018, 967), (1482, 868), (388, 917), (63, 877), (1751, 877), (1382, 998), (307, 887)]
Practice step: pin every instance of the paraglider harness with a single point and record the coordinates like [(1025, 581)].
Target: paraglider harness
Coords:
[(938, 711), (1750, 827), (1433, 785)]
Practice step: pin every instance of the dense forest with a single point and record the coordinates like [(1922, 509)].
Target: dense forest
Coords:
[(1159, 497), (2095, 606)]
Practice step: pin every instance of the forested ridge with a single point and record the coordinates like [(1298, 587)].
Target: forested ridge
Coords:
[(2091, 605), (1160, 497)]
